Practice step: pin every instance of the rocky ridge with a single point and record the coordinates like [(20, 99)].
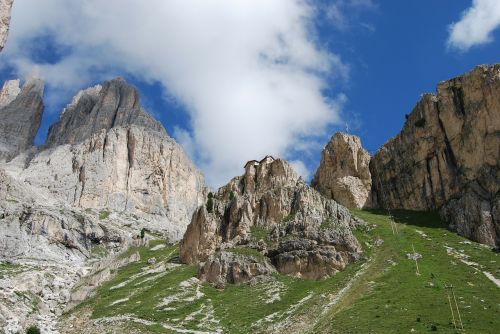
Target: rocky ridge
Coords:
[(107, 170), (5, 9), (270, 215), (343, 174), (447, 156), (21, 112)]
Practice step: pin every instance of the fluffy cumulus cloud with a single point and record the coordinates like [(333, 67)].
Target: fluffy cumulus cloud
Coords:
[(250, 73), (476, 25)]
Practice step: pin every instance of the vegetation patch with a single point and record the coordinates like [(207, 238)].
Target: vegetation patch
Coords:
[(104, 214), (259, 232)]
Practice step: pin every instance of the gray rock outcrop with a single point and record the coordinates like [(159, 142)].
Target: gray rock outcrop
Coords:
[(266, 208), (227, 267), (105, 152), (114, 104), (447, 156), (21, 112), (5, 9), (344, 174), (107, 171)]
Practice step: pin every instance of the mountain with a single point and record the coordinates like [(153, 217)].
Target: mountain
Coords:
[(70, 207), (269, 212), (21, 112), (446, 158), (5, 9), (343, 173)]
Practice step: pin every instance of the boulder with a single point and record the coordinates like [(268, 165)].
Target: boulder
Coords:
[(227, 267)]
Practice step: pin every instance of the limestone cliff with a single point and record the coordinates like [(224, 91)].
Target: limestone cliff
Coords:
[(343, 173), (21, 112), (107, 171), (271, 210), (114, 104), (105, 152), (5, 9), (447, 156)]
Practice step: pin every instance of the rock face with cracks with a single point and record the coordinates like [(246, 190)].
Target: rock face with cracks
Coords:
[(447, 157), (107, 171), (5, 9), (343, 174), (21, 112), (271, 210)]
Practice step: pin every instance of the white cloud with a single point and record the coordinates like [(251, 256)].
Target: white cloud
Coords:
[(249, 72), (301, 169), (476, 25), (343, 14)]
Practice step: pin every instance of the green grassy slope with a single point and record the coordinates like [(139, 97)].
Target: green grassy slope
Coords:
[(392, 298), (380, 295)]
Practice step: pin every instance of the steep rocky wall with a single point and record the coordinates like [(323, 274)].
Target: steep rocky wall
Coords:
[(5, 9), (124, 169), (105, 152), (21, 112), (447, 156), (102, 107), (343, 173)]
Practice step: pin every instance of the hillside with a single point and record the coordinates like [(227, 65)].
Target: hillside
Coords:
[(382, 294)]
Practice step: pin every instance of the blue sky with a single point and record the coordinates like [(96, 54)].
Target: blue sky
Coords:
[(360, 62)]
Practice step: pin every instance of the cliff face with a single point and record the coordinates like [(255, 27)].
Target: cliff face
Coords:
[(111, 105), (105, 152), (447, 156), (5, 9), (271, 210), (343, 173), (107, 171), (21, 112)]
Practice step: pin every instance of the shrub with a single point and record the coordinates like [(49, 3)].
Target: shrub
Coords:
[(210, 202), (104, 214), (143, 232), (231, 195), (33, 330)]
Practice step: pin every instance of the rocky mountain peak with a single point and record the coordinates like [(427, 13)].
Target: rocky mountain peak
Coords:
[(303, 233), (5, 9), (21, 112), (264, 174), (102, 107), (343, 173), (447, 156), (9, 92)]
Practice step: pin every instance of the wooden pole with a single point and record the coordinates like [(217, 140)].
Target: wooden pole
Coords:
[(458, 311), (451, 308), (416, 261)]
